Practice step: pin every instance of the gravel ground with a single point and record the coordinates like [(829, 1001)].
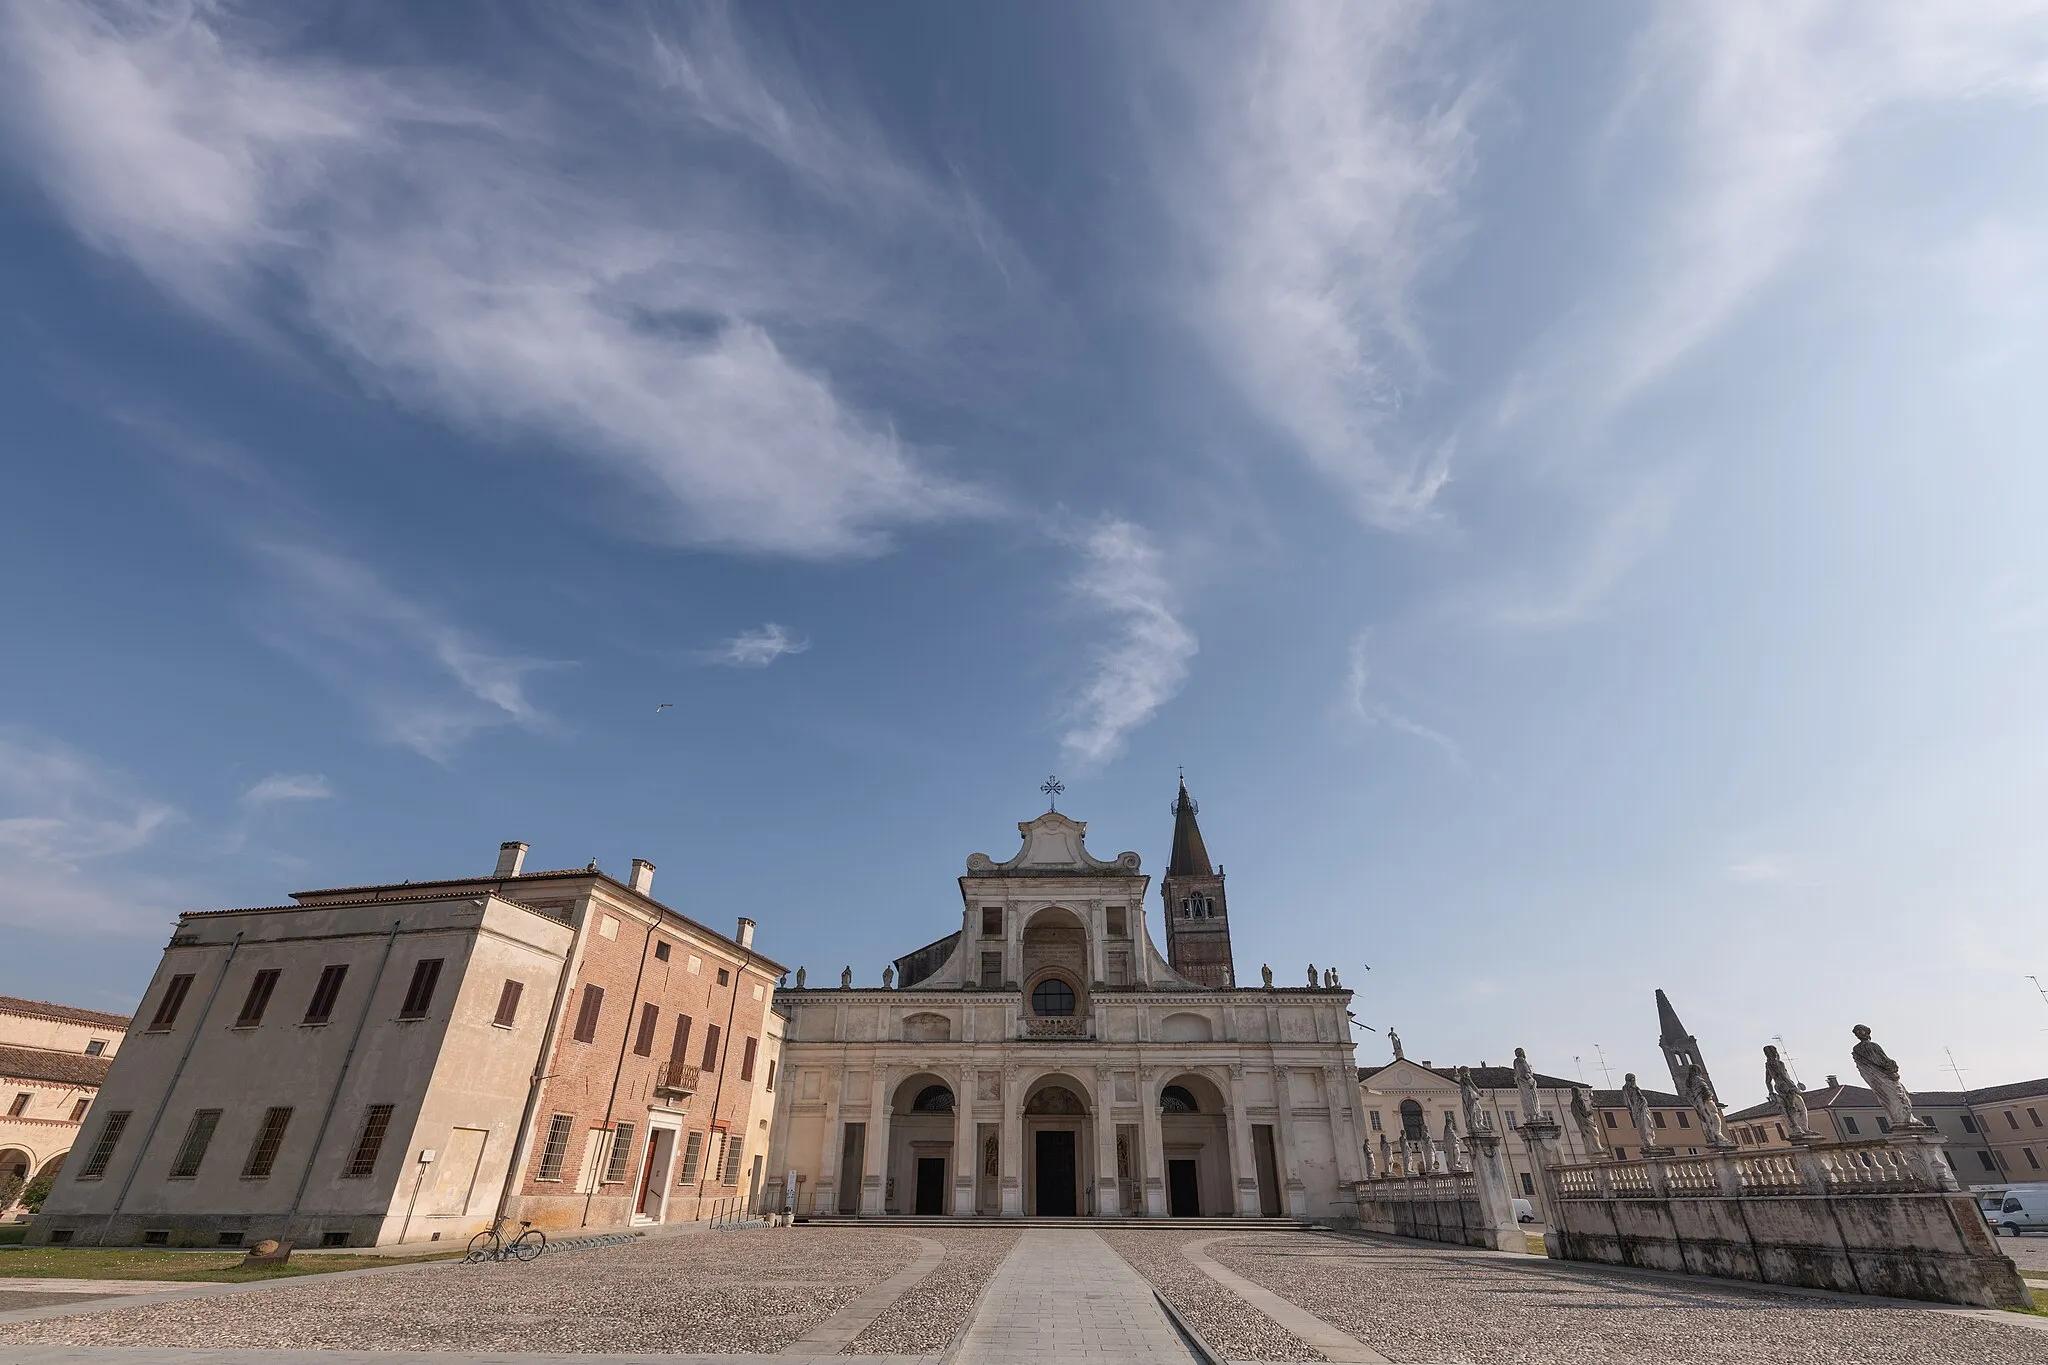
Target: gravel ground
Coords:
[(1416, 1303), (13, 1299), (755, 1290), (1229, 1324), (931, 1313), (2028, 1253)]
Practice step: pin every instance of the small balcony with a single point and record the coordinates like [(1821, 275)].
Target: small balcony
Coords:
[(676, 1081)]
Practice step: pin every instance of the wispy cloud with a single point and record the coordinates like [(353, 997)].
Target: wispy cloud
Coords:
[(1121, 578), (1319, 183), (757, 648), (1594, 568), (462, 250), (424, 681), (65, 823), (1361, 702), (287, 787)]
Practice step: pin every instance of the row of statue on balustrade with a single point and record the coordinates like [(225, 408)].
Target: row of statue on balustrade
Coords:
[(1418, 1154)]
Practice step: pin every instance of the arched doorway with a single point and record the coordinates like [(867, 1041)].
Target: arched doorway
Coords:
[(14, 1174), (1194, 1136), (1059, 1171), (920, 1169)]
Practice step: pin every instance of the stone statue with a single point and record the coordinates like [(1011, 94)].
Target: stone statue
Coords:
[(1468, 1098), (1451, 1142), (846, 979), (799, 978), (1395, 1039), (1386, 1159), (1638, 1109), (1266, 972), (889, 977), (1329, 978), (1525, 1081), (1587, 1121), (1312, 978), (1782, 1088), (1699, 1093), (1335, 980), (1881, 1074)]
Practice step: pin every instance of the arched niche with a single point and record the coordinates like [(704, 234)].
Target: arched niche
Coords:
[(1186, 1027), (1055, 939), (927, 1028)]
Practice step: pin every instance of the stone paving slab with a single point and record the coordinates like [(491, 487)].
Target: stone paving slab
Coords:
[(149, 1355), (1064, 1295)]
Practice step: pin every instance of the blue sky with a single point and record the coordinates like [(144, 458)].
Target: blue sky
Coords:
[(1567, 486)]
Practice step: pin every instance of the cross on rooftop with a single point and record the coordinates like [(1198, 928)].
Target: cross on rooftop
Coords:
[(1052, 787)]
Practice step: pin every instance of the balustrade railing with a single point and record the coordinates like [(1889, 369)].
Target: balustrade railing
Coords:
[(1056, 1026), (1878, 1167)]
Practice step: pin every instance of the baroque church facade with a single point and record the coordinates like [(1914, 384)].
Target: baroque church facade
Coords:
[(1045, 1059)]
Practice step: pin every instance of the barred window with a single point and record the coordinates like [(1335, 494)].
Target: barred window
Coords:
[(258, 999), (419, 996), (734, 1146), (168, 1007), (693, 1156), (376, 1119), (192, 1151), (321, 1007), (103, 1150), (263, 1151), (621, 1154), (555, 1151)]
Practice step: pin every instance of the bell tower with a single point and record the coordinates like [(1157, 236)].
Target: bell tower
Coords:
[(1197, 912)]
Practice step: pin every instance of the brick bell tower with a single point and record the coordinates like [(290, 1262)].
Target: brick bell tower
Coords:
[(1197, 916)]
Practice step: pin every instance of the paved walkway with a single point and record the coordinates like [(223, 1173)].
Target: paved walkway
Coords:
[(1066, 1296)]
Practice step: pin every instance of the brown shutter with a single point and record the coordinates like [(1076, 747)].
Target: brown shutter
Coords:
[(747, 1059), (508, 1003), (650, 1015), (711, 1047), (586, 1016)]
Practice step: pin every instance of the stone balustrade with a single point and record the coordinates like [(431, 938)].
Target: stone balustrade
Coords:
[(1068, 1027)]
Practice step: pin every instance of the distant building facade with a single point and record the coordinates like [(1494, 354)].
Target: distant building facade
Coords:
[(53, 1059), (1997, 1135), (377, 1064)]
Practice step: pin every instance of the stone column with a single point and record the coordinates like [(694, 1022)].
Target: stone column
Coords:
[(1497, 1223), (1293, 1193), (1541, 1137), (874, 1183), (1010, 1146), (1921, 1150), (1243, 1155), (825, 1190), (1106, 1203), (1155, 1142), (966, 1141)]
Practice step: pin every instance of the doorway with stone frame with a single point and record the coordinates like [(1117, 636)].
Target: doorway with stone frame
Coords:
[(1059, 1174)]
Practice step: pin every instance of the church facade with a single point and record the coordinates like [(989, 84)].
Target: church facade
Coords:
[(1045, 1059)]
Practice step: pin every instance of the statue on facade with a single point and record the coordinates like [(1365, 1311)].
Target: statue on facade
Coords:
[(1312, 978), (1335, 980), (1881, 1074), (889, 977), (799, 978), (1468, 1098), (1450, 1142), (1386, 1157), (1699, 1093), (846, 979), (1394, 1039), (1525, 1082), (1638, 1109), (1329, 977), (1782, 1088), (1266, 973), (1587, 1121)]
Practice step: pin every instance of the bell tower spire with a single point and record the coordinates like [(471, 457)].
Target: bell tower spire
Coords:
[(1197, 912)]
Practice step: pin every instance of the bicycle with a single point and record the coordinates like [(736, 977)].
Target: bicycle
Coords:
[(490, 1244)]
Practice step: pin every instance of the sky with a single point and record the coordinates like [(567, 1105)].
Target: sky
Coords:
[(1564, 482)]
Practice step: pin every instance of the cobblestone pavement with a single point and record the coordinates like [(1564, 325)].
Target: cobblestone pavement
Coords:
[(1414, 1302), (1064, 1295), (751, 1291), (930, 1314), (1226, 1322), (2028, 1253)]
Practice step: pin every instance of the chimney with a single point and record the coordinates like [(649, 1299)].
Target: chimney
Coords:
[(746, 932), (1832, 1082), (511, 857), (643, 877)]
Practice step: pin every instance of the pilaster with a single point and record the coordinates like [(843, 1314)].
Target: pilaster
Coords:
[(1155, 1142), (1010, 1146), (966, 1156), (1243, 1158)]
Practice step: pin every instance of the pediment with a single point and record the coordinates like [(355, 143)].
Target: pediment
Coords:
[(1053, 846), (1406, 1076)]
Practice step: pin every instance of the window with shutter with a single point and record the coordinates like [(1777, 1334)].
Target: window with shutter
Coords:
[(325, 992), (643, 1042), (419, 996), (747, 1059), (508, 1003), (258, 999), (587, 1014), (168, 1007), (710, 1047)]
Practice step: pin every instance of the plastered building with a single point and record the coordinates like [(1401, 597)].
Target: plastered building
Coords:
[(52, 1061)]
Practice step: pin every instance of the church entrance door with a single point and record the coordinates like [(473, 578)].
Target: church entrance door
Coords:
[(1183, 1190), (1055, 1173), (931, 1185)]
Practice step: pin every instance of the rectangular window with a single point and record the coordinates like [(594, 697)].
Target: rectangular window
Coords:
[(192, 1151), (711, 1047), (1985, 1159), (1512, 1116), (1621, 1154), (770, 1087), (724, 977), (1658, 1118), (1528, 1185), (679, 1049), (426, 974), (103, 1150), (1118, 926), (78, 1108), (1969, 1124), (328, 990), (1849, 1124), (643, 1041), (2028, 1153), (661, 951), (1781, 1131), (1375, 1120), (991, 921), (2011, 1122), (693, 1155), (508, 1003), (95, 1047), (20, 1105), (1884, 1125), (555, 1151), (1684, 1119), (263, 1151), (621, 1155), (991, 970), (733, 1148), (258, 999), (2036, 1117), (747, 1059), (363, 1161), (168, 1007), (587, 1014), (1608, 1114)]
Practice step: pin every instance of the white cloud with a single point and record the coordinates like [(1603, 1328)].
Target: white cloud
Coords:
[(1362, 704), (757, 648), (1143, 665), (1623, 534), (425, 682), (464, 254), (65, 824), (282, 787), (1319, 183)]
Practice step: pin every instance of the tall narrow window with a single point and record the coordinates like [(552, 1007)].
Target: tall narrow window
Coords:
[(734, 1146), (321, 1007), (20, 1105), (168, 1007), (426, 974), (363, 1161), (991, 921), (192, 1151), (587, 1014), (78, 1108), (693, 1157), (263, 1151), (103, 1150), (643, 1041), (770, 1087), (258, 999), (711, 1047), (747, 1059), (621, 1155), (679, 1050), (508, 1003), (555, 1151), (991, 970)]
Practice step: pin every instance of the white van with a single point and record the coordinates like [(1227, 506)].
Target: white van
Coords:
[(1525, 1212), (2024, 1210)]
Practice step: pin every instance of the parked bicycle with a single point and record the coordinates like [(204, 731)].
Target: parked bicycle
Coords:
[(491, 1245)]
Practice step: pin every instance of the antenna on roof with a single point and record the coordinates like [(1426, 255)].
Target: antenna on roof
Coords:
[(1605, 1074), (1961, 1084), (1786, 1053)]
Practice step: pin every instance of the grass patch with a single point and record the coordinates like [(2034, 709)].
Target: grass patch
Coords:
[(130, 1263), (13, 1236), (1534, 1243)]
